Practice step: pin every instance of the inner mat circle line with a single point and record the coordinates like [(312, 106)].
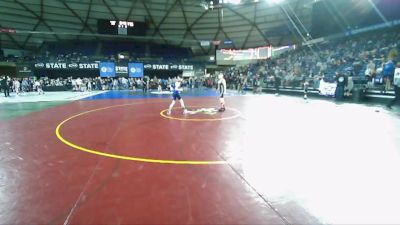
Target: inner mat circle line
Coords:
[(238, 113), (116, 156)]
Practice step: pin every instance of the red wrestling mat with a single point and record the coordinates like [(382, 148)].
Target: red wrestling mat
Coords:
[(265, 160), (50, 182)]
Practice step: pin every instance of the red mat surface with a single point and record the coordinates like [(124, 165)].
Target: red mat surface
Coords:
[(52, 183)]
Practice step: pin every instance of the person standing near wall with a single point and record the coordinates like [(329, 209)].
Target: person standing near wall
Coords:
[(340, 84), (5, 87), (38, 87), (239, 84), (145, 84), (388, 71), (16, 85), (277, 82), (349, 86)]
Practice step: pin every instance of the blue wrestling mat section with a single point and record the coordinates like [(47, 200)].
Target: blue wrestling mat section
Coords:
[(130, 94)]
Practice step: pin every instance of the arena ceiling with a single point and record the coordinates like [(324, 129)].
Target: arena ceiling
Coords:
[(178, 22)]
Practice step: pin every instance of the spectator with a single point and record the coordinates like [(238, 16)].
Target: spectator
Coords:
[(257, 84), (79, 84), (25, 85), (17, 86), (340, 84), (5, 86), (74, 85), (89, 85), (349, 86), (38, 86), (388, 72), (306, 86), (277, 83), (240, 84), (370, 72)]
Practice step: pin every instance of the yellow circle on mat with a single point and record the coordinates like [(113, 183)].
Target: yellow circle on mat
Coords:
[(162, 113), (116, 156)]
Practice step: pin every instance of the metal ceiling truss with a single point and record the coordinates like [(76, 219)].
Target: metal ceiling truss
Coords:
[(84, 23), (157, 27), (131, 9), (247, 37), (12, 39), (218, 31), (186, 22), (33, 22), (188, 29), (110, 10), (30, 35), (283, 36), (221, 28), (292, 26), (252, 27), (38, 17), (36, 25), (251, 23), (215, 38)]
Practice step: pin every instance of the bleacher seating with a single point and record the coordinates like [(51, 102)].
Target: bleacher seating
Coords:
[(349, 55)]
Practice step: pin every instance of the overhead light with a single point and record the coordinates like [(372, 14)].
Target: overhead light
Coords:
[(276, 1)]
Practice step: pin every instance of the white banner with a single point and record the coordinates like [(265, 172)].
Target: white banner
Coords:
[(327, 89)]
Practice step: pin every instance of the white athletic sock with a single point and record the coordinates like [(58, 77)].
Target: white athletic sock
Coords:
[(182, 104), (170, 106), (222, 101)]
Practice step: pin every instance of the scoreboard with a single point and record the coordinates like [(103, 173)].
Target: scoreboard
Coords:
[(120, 27), (231, 56)]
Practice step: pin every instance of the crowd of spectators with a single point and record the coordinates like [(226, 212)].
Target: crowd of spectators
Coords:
[(20, 85), (368, 60), (31, 84), (109, 51)]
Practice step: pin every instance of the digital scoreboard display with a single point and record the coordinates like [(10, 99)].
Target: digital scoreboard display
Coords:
[(231, 56), (119, 27)]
